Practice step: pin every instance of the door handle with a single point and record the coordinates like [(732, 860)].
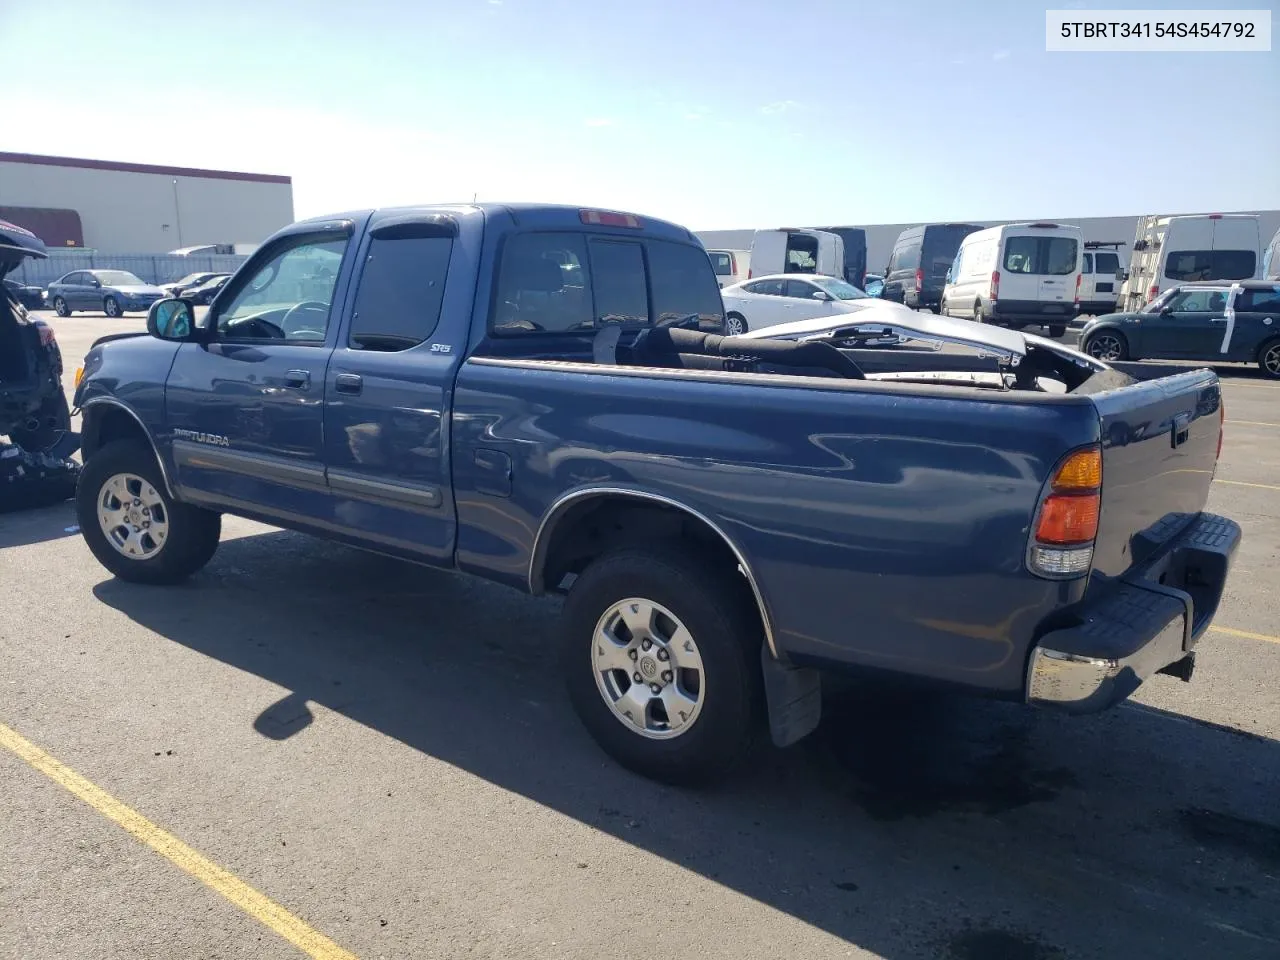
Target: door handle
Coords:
[(298, 379), (348, 383), (1217, 319)]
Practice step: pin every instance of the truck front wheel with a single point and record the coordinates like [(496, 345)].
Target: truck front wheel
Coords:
[(133, 526), (661, 655)]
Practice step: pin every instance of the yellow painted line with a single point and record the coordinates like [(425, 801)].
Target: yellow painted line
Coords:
[(1266, 638), (262, 908), (1241, 483)]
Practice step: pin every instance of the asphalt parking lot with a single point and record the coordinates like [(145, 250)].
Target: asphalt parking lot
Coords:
[(384, 752)]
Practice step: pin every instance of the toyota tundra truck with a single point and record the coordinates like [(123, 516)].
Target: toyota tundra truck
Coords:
[(541, 396)]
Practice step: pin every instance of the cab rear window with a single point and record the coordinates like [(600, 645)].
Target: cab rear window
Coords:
[(572, 283)]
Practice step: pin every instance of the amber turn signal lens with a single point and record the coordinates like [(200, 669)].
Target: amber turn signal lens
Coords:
[(79, 375), (1069, 518), (1082, 471)]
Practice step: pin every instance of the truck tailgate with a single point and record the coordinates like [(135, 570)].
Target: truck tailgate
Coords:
[(1159, 450)]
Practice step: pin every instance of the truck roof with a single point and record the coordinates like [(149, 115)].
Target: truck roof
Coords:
[(544, 215)]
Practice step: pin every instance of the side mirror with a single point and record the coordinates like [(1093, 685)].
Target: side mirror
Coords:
[(1165, 311), (171, 319), (821, 295), (95, 282), (1122, 275)]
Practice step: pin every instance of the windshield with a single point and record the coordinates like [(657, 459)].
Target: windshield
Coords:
[(838, 289), (118, 278)]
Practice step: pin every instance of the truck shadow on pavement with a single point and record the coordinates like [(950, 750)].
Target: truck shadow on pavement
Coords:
[(907, 826)]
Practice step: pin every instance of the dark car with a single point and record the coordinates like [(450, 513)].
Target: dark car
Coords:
[(205, 292), (30, 297), (1213, 320), (33, 408), (918, 266), (189, 282), (113, 292)]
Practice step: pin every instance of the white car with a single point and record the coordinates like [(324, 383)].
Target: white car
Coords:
[(784, 297)]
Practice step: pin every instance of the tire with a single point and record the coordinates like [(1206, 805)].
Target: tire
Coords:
[(977, 312), (55, 425), (111, 307), (1107, 346), (713, 607), (735, 325), (942, 309), (191, 533), (1057, 330), (1269, 359), (60, 307)]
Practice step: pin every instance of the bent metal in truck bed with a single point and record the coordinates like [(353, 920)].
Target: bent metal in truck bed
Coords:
[(540, 396)]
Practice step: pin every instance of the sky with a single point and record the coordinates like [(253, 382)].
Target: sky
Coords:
[(717, 114)]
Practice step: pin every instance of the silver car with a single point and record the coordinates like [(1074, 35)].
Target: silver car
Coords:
[(114, 292)]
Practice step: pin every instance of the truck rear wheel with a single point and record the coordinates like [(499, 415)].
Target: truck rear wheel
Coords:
[(661, 655), (133, 526)]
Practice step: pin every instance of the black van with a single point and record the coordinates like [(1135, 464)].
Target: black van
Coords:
[(855, 252), (917, 269)]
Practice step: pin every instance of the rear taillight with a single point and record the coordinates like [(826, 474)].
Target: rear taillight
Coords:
[(1067, 521), (919, 279), (1079, 277), (995, 284), (1153, 292), (46, 334), (750, 274)]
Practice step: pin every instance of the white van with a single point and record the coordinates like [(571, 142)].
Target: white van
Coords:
[(1100, 276), (731, 266), (1271, 259), (1172, 250), (1017, 275), (796, 251)]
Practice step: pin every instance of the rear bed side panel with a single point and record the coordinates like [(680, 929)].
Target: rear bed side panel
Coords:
[(884, 529), (1160, 441)]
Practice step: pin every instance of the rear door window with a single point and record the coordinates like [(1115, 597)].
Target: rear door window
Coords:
[(770, 288), (1260, 301), (722, 263), (1088, 263), (1054, 256), (1108, 263), (1191, 265), (401, 289)]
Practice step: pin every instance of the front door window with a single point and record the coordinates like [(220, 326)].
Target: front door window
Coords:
[(288, 298)]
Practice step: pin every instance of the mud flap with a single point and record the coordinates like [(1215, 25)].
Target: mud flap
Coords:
[(794, 699)]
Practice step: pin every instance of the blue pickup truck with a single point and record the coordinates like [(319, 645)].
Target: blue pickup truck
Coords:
[(541, 396)]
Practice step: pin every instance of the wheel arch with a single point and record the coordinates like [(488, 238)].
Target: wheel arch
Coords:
[(106, 420), (1266, 345), (567, 537)]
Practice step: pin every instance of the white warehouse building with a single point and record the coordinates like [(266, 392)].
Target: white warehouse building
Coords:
[(139, 208)]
